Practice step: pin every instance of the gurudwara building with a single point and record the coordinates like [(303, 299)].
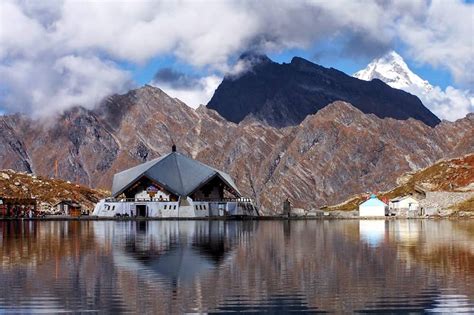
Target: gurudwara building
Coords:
[(174, 186)]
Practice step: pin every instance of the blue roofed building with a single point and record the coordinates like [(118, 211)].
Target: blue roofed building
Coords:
[(373, 207)]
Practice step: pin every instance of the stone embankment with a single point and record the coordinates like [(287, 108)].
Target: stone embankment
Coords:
[(438, 200)]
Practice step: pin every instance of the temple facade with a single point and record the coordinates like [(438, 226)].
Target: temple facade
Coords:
[(174, 186)]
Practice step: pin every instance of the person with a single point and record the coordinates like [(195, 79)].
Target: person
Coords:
[(287, 207)]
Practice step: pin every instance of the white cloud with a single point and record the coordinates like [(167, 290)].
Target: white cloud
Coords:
[(50, 38), (450, 104), (19, 34), (40, 88), (198, 94), (443, 37)]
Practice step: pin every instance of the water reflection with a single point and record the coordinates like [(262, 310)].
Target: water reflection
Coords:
[(254, 266), (178, 252), (372, 231)]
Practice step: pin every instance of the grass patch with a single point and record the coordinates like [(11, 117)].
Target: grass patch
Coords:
[(467, 205)]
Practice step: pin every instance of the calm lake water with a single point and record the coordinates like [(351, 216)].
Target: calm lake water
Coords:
[(252, 266)]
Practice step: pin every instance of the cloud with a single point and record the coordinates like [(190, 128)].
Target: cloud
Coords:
[(246, 62), (192, 90), (49, 39), (38, 75), (47, 86), (443, 37), (175, 79), (450, 104)]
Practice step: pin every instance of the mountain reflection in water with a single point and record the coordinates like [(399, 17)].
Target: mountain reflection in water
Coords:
[(237, 266)]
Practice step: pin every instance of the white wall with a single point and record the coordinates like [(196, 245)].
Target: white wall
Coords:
[(371, 211), (405, 204), (144, 195)]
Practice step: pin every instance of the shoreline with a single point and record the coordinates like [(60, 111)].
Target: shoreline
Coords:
[(265, 218)]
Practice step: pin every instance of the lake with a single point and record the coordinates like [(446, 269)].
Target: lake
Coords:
[(237, 266)]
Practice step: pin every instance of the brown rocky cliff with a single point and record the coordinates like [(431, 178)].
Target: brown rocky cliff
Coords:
[(47, 191), (331, 155)]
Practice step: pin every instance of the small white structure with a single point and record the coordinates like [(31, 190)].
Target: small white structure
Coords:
[(373, 207), (404, 203)]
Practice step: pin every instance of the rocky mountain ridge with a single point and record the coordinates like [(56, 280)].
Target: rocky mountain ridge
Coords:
[(328, 157), (284, 94)]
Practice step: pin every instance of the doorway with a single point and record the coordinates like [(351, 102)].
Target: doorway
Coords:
[(141, 210)]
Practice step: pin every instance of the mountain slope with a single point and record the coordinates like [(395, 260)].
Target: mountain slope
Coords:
[(331, 155), (447, 176), (284, 94)]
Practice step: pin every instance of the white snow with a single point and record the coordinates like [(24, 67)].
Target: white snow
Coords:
[(450, 104), (393, 70)]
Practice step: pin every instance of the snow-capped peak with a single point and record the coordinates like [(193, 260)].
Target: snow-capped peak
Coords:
[(393, 70), (450, 103)]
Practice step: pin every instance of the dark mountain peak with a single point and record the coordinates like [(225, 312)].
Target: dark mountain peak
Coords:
[(298, 62), (284, 94), (254, 57)]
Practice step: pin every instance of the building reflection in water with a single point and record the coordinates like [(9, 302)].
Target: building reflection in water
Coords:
[(252, 266), (373, 231), (178, 251)]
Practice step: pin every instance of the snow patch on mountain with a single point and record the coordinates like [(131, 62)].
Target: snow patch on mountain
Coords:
[(449, 104)]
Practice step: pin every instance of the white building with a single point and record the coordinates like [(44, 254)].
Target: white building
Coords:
[(174, 186), (404, 203), (373, 207)]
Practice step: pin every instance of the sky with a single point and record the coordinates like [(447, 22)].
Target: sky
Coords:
[(57, 54)]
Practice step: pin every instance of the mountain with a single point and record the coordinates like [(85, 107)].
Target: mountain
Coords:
[(284, 94), (393, 70), (329, 156), (450, 104)]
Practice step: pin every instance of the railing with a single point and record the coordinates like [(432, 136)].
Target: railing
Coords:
[(223, 200), (137, 200), (167, 200)]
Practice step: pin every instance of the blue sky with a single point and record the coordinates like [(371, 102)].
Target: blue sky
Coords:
[(328, 52), (58, 54), (143, 74)]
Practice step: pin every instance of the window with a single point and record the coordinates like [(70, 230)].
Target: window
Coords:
[(196, 207), (165, 207), (174, 207)]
